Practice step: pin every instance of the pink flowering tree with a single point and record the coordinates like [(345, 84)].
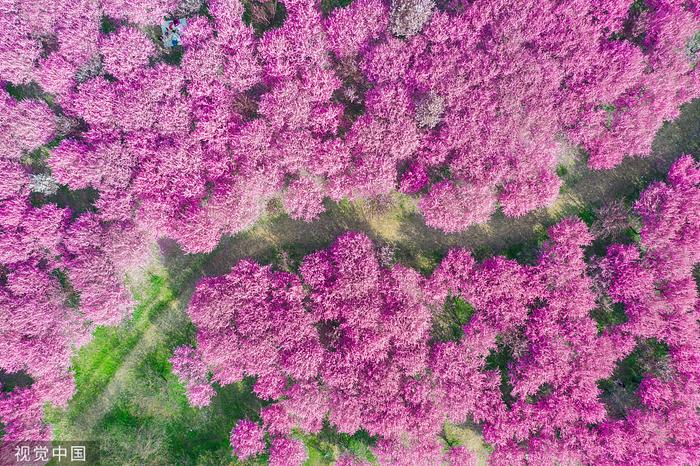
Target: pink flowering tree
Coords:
[(660, 300), (61, 268), (247, 439), (193, 373), (300, 102), (462, 105), (318, 345)]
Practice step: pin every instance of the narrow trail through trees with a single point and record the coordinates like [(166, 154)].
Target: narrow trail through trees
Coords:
[(397, 222)]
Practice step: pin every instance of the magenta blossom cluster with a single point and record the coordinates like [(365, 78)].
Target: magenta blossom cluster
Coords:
[(464, 105), (350, 342), (59, 279), (61, 273), (193, 372)]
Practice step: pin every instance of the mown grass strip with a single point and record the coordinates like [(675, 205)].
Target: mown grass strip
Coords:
[(96, 363)]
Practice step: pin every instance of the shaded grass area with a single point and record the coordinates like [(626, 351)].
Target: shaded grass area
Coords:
[(327, 6), (619, 392), (499, 359), (448, 325), (152, 423), (11, 380), (325, 447), (79, 201), (609, 316), (263, 15)]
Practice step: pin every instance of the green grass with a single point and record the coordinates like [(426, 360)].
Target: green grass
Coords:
[(72, 297), (24, 91), (95, 364), (264, 15), (610, 316), (108, 25), (79, 200), (449, 324), (12, 380), (174, 56), (499, 360), (325, 447), (527, 252), (424, 262), (327, 6), (619, 392), (149, 421)]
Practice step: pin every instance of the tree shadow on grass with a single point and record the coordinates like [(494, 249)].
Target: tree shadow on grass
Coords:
[(170, 431)]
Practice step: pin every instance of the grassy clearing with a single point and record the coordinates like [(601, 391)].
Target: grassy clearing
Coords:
[(129, 400), (619, 392), (469, 436), (448, 325), (96, 364)]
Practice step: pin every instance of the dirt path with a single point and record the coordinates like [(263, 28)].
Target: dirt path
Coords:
[(395, 220)]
